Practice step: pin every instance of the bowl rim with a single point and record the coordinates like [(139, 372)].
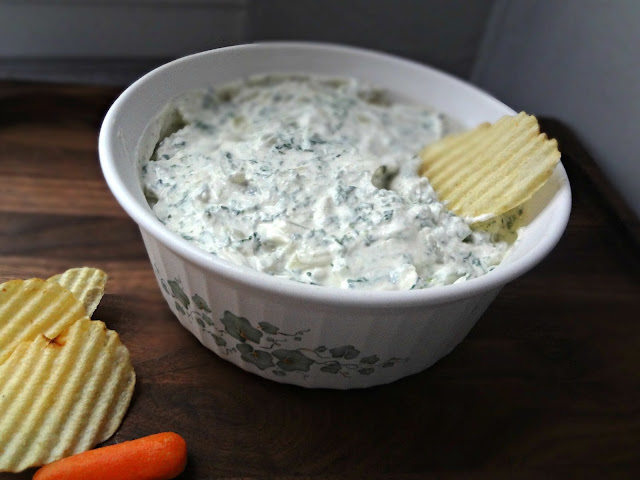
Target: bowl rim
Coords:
[(326, 295)]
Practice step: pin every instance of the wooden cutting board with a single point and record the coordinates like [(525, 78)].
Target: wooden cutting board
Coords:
[(547, 382)]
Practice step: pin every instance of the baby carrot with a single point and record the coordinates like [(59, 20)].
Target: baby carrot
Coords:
[(157, 457)]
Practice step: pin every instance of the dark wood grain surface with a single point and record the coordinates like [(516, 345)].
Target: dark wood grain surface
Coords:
[(546, 385)]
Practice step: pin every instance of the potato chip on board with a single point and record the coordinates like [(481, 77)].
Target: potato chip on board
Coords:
[(86, 283), (491, 169), (62, 395), (32, 307)]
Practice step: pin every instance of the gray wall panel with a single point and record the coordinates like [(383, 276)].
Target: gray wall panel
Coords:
[(577, 61), (443, 33)]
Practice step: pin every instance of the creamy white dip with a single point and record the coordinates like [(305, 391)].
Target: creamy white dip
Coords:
[(314, 180)]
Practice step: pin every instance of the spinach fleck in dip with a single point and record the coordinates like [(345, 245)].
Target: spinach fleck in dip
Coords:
[(314, 180)]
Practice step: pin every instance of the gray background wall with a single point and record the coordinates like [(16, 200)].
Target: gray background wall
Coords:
[(114, 41), (575, 60)]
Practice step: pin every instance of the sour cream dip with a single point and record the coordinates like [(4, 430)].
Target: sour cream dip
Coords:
[(313, 179)]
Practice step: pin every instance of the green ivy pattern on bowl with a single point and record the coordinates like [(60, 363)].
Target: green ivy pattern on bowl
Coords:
[(267, 347)]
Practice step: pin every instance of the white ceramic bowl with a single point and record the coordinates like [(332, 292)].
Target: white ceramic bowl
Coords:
[(283, 330)]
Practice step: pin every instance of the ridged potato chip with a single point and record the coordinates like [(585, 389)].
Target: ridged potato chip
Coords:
[(62, 394), (86, 283), (491, 169), (32, 307)]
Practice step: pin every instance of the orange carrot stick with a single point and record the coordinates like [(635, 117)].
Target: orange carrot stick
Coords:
[(157, 457)]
